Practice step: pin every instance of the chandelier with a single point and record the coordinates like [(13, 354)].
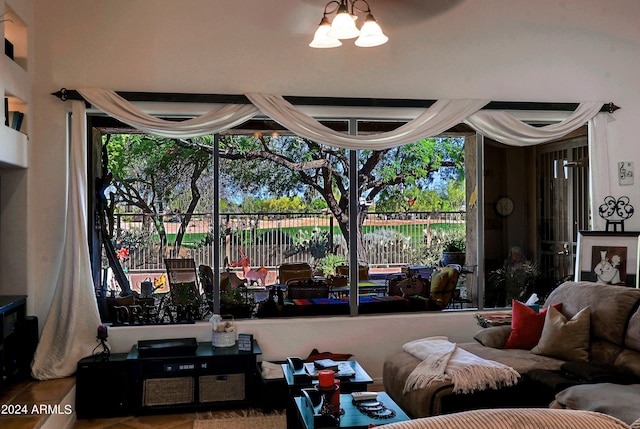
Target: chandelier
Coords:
[(329, 34)]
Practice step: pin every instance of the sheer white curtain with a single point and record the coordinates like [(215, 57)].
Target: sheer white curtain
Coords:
[(69, 332), (599, 166), (217, 120), (441, 116), (505, 128)]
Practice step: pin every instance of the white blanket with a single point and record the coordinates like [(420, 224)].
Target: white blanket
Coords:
[(442, 360)]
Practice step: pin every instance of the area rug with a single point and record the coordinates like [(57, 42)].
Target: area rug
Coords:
[(241, 419)]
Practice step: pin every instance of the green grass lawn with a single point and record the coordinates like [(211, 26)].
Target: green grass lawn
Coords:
[(190, 240), (193, 240)]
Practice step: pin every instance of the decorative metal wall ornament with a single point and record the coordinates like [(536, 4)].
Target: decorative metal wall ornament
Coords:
[(615, 212)]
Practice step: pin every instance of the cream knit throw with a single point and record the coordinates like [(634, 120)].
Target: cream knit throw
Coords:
[(442, 360)]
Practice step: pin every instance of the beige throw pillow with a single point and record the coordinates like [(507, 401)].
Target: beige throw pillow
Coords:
[(565, 339)]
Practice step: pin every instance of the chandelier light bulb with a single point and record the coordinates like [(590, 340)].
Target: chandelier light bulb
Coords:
[(371, 34), (321, 39), (344, 26)]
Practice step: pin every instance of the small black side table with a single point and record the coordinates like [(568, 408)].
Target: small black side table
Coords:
[(18, 339), (103, 387), (352, 417), (299, 379)]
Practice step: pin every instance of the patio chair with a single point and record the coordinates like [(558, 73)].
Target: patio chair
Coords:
[(290, 271), (184, 291), (181, 270), (363, 271)]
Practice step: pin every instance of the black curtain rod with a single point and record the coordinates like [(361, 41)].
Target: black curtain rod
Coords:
[(177, 97)]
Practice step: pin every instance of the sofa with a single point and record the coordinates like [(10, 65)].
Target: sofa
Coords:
[(516, 418), (612, 340)]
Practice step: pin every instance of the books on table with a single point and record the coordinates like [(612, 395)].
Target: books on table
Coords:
[(342, 369), (326, 364)]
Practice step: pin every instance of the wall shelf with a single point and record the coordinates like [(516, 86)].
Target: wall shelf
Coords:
[(13, 148), (15, 32), (16, 88)]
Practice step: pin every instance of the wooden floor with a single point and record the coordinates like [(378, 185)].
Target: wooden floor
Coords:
[(17, 410), (27, 404), (163, 421)]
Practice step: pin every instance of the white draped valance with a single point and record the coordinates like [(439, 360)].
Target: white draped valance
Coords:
[(439, 117), (503, 127), (215, 121)]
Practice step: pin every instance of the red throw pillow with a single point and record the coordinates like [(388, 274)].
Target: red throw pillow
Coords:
[(526, 326)]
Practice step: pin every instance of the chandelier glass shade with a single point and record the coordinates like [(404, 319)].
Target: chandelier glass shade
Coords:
[(329, 34)]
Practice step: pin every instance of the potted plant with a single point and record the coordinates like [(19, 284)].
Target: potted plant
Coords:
[(327, 265), (513, 282), (454, 247), (443, 247), (238, 302)]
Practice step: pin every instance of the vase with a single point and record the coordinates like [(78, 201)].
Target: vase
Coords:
[(449, 258)]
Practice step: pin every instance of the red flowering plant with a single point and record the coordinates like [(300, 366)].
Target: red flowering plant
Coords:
[(123, 256)]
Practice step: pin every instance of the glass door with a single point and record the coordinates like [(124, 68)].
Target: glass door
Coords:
[(563, 194)]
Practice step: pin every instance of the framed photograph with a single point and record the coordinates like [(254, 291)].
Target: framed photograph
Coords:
[(245, 342), (608, 257)]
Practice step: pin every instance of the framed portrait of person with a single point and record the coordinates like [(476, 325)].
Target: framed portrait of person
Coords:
[(608, 257)]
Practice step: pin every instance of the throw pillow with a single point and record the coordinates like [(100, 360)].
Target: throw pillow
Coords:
[(526, 326), (493, 336), (439, 281), (439, 287), (453, 277), (565, 339)]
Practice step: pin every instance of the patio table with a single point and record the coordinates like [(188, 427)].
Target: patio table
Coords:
[(372, 286)]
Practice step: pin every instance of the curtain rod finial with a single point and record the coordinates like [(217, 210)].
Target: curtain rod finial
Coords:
[(64, 94), (613, 107)]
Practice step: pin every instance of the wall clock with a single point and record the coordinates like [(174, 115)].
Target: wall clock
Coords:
[(504, 206)]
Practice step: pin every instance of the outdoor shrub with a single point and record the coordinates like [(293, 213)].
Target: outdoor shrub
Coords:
[(329, 263), (441, 240), (315, 242), (386, 242)]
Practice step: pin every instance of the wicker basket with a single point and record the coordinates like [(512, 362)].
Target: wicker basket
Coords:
[(222, 339), (218, 388)]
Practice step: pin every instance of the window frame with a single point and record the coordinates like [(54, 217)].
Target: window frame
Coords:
[(381, 121)]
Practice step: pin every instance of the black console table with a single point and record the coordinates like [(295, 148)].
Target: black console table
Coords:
[(208, 378), (18, 338)]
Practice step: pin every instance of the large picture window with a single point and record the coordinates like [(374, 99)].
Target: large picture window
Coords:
[(281, 200)]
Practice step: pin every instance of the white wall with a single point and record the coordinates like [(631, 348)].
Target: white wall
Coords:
[(547, 50), (369, 338)]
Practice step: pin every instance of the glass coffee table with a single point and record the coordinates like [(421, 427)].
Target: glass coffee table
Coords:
[(352, 417)]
